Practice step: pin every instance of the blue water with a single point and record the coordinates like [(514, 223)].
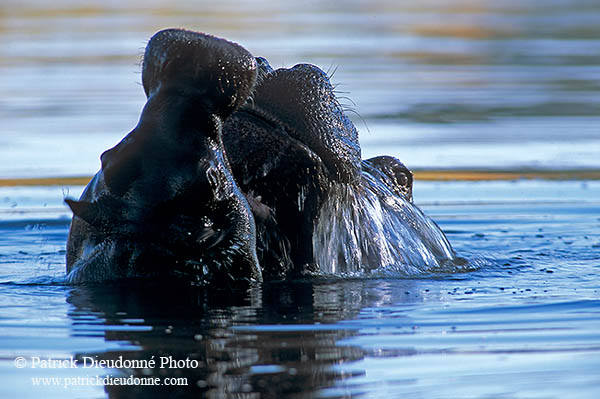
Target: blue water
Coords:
[(437, 83), (525, 324)]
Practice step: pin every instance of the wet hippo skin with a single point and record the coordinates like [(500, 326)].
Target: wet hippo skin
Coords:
[(225, 175)]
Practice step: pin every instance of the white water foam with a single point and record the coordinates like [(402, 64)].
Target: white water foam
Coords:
[(371, 229)]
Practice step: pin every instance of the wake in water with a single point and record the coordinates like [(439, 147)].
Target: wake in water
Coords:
[(376, 230)]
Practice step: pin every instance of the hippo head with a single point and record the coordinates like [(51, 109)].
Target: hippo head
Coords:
[(226, 174)]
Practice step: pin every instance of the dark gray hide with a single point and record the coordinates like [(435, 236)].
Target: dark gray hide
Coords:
[(224, 175), (165, 202)]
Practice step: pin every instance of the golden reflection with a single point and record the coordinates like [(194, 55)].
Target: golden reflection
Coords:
[(424, 175)]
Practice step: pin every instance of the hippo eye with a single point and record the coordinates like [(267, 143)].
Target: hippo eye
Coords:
[(206, 222), (401, 178)]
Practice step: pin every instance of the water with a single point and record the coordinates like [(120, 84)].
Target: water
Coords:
[(380, 232), (439, 84), (523, 325)]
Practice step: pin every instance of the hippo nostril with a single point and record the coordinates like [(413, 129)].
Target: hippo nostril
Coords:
[(200, 65)]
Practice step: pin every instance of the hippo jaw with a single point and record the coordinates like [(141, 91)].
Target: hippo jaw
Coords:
[(300, 104), (288, 144), (165, 201)]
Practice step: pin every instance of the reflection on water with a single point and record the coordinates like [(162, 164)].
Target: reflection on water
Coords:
[(524, 324), (441, 84), (234, 356)]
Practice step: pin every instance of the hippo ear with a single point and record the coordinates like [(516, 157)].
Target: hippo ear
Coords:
[(83, 209), (104, 213)]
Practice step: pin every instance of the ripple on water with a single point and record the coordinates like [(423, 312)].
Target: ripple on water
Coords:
[(508, 328)]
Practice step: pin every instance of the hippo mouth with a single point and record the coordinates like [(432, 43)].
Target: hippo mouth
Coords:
[(287, 145), (254, 148), (295, 107), (230, 171)]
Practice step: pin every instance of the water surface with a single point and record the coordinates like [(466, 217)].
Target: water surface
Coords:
[(439, 84), (525, 324), (442, 84)]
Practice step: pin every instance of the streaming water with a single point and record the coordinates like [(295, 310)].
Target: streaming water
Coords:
[(361, 232), (524, 324)]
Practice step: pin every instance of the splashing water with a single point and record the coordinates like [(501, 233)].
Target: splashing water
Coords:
[(373, 229)]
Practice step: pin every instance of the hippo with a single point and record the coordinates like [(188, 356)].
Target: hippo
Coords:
[(239, 172)]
